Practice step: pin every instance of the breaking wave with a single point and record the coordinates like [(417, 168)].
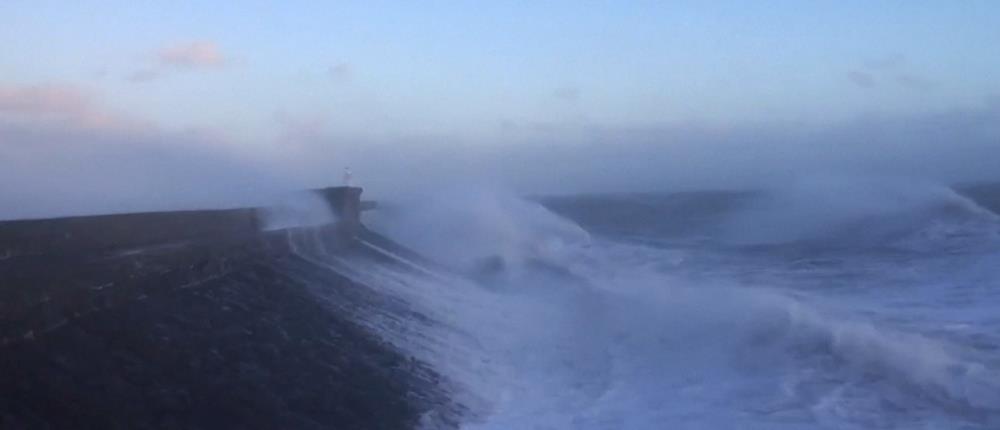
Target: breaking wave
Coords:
[(465, 228), (861, 212), (588, 332)]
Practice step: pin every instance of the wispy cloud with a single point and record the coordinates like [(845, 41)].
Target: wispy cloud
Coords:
[(42, 99), (196, 55), (59, 104)]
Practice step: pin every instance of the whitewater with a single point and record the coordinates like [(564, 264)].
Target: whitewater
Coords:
[(831, 303)]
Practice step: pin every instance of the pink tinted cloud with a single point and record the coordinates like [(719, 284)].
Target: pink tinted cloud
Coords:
[(42, 99), (198, 54), (60, 104)]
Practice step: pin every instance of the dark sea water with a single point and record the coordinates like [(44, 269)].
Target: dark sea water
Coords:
[(838, 304)]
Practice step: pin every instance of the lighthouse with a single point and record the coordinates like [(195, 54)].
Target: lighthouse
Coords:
[(347, 177)]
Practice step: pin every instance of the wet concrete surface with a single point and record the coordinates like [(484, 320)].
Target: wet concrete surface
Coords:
[(194, 320)]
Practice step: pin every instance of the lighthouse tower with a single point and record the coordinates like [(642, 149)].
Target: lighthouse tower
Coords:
[(348, 178)]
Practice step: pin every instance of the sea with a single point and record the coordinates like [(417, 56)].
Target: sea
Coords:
[(829, 303)]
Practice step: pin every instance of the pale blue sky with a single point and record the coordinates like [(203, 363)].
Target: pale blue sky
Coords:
[(465, 68), (127, 105)]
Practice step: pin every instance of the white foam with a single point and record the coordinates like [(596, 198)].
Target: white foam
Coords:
[(823, 206), (297, 210), (623, 344), (462, 228)]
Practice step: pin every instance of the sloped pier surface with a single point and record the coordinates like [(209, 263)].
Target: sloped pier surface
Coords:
[(191, 320)]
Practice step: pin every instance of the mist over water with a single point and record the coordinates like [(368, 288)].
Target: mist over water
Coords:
[(802, 327), (463, 227), (877, 210), (697, 214), (303, 209)]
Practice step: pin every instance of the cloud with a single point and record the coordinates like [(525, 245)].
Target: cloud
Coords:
[(197, 55), (42, 99), (192, 55), (861, 78), (52, 105)]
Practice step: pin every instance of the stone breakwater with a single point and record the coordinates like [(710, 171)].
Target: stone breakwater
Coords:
[(195, 319)]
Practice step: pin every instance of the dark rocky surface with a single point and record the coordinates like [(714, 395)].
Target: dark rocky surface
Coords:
[(168, 322), (251, 349)]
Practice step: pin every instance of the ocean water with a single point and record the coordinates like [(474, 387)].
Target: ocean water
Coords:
[(840, 304)]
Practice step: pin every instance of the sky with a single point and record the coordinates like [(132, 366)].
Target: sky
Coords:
[(128, 105)]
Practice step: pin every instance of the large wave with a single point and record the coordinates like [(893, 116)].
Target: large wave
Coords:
[(861, 211), (467, 228), (618, 340), (820, 211)]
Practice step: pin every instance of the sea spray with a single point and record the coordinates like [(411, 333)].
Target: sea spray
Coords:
[(627, 335)]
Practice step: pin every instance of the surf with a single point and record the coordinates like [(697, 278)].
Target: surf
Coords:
[(624, 335)]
